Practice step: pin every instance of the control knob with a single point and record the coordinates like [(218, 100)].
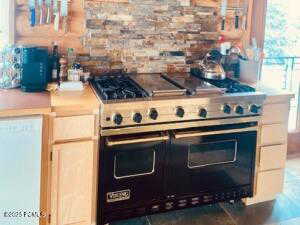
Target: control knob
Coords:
[(255, 109), (118, 118), (227, 109), (203, 113), (137, 117), (239, 110), (180, 112), (153, 114)]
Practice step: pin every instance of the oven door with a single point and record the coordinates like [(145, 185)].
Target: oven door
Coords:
[(132, 170), (211, 159)]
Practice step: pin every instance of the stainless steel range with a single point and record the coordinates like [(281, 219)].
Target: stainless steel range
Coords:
[(174, 141)]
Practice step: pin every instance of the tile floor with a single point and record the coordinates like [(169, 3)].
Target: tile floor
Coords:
[(285, 210)]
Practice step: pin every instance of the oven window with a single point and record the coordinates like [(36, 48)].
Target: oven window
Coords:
[(205, 154), (134, 163)]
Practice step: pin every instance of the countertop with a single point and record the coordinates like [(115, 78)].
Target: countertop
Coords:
[(14, 102), (275, 95), (75, 102)]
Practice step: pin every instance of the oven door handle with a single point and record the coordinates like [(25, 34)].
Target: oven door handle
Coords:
[(135, 141), (208, 133)]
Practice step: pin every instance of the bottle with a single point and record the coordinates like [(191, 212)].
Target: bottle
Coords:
[(71, 57), (63, 76), (55, 63)]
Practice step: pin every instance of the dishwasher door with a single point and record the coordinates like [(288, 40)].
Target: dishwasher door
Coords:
[(20, 170)]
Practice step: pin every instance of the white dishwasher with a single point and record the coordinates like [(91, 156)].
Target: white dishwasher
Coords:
[(20, 170)]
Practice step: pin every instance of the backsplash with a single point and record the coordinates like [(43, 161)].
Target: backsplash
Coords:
[(148, 36)]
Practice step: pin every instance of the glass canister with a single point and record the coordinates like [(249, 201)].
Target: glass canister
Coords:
[(10, 67)]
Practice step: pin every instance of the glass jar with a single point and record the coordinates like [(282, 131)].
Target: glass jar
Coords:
[(10, 67)]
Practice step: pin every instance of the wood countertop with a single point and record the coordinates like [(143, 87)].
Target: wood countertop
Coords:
[(275, 95), (14, 102), (75, 102)]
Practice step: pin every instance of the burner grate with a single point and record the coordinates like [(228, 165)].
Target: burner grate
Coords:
[(118, 87)]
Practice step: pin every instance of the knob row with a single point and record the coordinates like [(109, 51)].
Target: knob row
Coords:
[(180, 112), (137, 117), (240, 110)]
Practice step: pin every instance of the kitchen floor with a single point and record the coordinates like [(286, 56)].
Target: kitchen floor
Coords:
[(285, 210)]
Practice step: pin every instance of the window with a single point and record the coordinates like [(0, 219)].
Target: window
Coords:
[(7, 8), (281, 66), (134, 163), (213, 153)]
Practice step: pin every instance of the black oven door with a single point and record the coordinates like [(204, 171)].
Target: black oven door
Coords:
[(132, 171), (211, 159)]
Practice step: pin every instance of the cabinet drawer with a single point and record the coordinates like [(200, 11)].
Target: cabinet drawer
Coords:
[(273, 134), (275, 113), (66, 128), (269, 184), (272, 157)]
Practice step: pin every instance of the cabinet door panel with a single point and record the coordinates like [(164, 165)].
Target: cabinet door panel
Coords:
[(269, 185), (273, 157), (273, 134), (73, 179), (275, 113), (75, 127)]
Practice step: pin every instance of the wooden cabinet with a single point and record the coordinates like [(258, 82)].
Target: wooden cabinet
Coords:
[(275, 113), (272, 157), (273, 134), (272, 150), (73, 127), (72, 180), (74, 167), (268, 185)]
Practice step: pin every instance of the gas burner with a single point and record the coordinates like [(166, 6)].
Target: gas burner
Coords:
[(231, 86), (117, 87)]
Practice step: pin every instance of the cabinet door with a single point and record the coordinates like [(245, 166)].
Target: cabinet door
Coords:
[(72, 180)]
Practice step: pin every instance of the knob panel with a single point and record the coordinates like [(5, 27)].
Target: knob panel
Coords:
[(118, 118), (180, 112), (137, 117)]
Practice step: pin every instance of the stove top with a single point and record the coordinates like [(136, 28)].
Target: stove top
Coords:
[(130, 100), (117, 87), (131, 87)]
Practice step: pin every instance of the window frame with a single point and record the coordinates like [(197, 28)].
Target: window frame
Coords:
[(11, 22)]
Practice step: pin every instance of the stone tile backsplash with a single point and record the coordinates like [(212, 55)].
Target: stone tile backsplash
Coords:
[(148, 36)]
